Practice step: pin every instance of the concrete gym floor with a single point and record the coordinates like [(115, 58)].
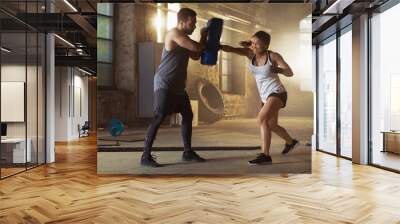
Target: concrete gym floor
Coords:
[(241, 135)]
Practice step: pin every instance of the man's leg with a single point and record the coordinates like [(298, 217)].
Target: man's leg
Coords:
[(147, 158), (161, 108), (187, 117), (152, 132), (186, 128)]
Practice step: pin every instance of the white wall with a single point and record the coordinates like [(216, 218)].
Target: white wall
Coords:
[(79, 117), (11, 73), (61, 103), (13, 101), (314, 86), (71, 87), (33, 126), (15, 73)]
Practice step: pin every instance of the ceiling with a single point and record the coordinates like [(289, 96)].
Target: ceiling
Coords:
[(74, 22), (247, 18), (328, 13)]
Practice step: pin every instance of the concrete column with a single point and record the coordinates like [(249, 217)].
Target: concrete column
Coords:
[(50, 99), (314, 90), (125, 47), (50, 92), (360, 90)]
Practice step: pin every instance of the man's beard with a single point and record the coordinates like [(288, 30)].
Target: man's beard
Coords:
[(189, 31)]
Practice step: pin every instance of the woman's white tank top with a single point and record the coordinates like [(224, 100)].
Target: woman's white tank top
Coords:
[(267, 81)]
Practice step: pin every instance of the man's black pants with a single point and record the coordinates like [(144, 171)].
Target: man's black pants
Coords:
[(166, 103)]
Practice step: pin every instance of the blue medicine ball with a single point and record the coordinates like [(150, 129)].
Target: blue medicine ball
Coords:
[(116, 127)]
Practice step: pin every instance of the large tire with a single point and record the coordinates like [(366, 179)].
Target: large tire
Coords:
[(211, 103)]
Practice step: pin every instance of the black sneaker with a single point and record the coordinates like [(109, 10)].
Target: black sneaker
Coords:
[(290, 147), (261, 159), (192, 156), (149, 160)]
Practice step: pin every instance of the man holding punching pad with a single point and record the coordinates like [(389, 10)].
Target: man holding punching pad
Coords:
[(170, 81)]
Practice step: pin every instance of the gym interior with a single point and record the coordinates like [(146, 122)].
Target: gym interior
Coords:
[(224, 97)]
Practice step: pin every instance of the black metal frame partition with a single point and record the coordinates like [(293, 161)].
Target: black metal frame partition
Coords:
[(0, 92), (339, 32), (387, 5), (44, 93)]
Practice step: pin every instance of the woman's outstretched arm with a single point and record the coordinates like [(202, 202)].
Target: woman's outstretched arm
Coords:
[(243, 51)]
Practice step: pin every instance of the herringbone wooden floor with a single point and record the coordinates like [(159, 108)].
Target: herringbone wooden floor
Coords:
[(69, 191)]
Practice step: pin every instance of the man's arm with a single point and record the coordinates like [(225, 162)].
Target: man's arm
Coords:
[(194, 55), (184, 41), (280, 65), (203, 38)]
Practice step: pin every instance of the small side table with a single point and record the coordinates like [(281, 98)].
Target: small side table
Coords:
[(391, 141)]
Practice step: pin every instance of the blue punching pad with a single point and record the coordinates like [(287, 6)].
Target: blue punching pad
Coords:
[(210, 54)]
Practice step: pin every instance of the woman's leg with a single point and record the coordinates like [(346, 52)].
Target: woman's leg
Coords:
[(268, 112), (279, 130)]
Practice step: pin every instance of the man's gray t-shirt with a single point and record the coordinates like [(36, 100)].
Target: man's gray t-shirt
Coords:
[(172, 72)]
